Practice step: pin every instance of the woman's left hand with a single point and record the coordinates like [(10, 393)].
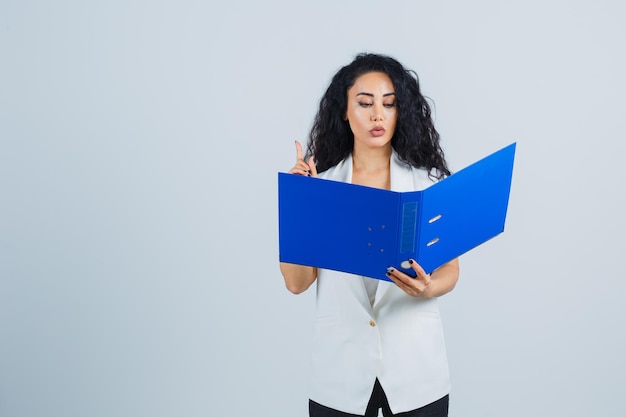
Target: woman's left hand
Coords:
[(415, 287)]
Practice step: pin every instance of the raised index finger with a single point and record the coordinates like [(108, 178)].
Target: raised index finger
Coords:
[(299, 151)]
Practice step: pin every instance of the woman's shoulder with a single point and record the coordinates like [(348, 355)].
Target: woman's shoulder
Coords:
[(340, 172), (422, 177)]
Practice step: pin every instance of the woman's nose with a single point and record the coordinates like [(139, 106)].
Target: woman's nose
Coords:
[(377, 114)]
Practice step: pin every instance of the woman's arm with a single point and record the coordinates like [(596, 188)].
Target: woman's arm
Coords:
[(440, 282), (298, 278), (443, 279)]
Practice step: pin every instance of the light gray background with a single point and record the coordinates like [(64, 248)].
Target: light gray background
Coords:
[(140, 142)]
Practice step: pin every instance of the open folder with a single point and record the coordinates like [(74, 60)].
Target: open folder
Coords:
[(363, 230)]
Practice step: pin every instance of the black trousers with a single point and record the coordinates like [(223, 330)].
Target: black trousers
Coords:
[(379, 400)]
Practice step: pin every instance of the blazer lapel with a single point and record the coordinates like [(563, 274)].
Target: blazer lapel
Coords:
[(401, 175), (340, 172)]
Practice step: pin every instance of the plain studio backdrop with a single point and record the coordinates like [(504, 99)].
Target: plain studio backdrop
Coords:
[(140, 145)]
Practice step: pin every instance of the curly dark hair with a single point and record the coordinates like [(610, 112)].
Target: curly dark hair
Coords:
[(415, 139)]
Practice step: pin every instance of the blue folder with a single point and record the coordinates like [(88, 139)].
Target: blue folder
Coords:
[(363, 230)]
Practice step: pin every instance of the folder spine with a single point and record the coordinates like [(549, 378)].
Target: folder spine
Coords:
[(410, 213)]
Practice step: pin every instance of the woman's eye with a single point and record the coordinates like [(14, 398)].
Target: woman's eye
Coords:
[(364, 104), (390, 105)]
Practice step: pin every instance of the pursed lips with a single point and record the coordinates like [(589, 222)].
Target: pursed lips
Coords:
[(377, 131)]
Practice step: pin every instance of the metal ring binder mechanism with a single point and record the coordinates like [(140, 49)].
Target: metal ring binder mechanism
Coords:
[(363, 230)]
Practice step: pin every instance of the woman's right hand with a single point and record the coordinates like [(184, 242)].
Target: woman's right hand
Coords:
[(303, 167)]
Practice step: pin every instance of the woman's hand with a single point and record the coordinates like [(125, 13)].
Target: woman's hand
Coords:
[(416, 287), (303, 167), (426, 285)]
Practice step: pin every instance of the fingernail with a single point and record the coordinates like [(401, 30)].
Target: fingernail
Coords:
[(389, 270), (411, 261), (308, 174)]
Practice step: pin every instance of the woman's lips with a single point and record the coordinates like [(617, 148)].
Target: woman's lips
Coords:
[(377, 131)]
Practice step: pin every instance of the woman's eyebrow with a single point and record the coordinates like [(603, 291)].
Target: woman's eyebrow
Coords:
[(372, 95)]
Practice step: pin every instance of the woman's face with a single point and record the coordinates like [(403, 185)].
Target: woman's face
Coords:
[(372, 111)]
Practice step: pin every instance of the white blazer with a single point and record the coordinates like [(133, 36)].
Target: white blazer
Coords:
[(399, 339)]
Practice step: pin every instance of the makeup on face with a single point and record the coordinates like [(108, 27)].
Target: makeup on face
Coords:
[(371, 110)]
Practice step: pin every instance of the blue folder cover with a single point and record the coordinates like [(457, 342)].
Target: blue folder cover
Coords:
[(363, 230)]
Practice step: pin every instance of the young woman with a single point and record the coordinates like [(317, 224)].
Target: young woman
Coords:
[(376, 344)]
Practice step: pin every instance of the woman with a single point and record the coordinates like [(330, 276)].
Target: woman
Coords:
[(376, 344)]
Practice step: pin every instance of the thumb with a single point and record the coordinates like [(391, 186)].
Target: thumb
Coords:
[(419, 271)]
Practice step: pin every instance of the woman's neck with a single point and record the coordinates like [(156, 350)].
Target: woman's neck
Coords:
[(371, 160), (370, 167)]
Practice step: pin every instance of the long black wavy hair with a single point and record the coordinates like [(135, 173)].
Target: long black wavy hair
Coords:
[(415, 139)]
